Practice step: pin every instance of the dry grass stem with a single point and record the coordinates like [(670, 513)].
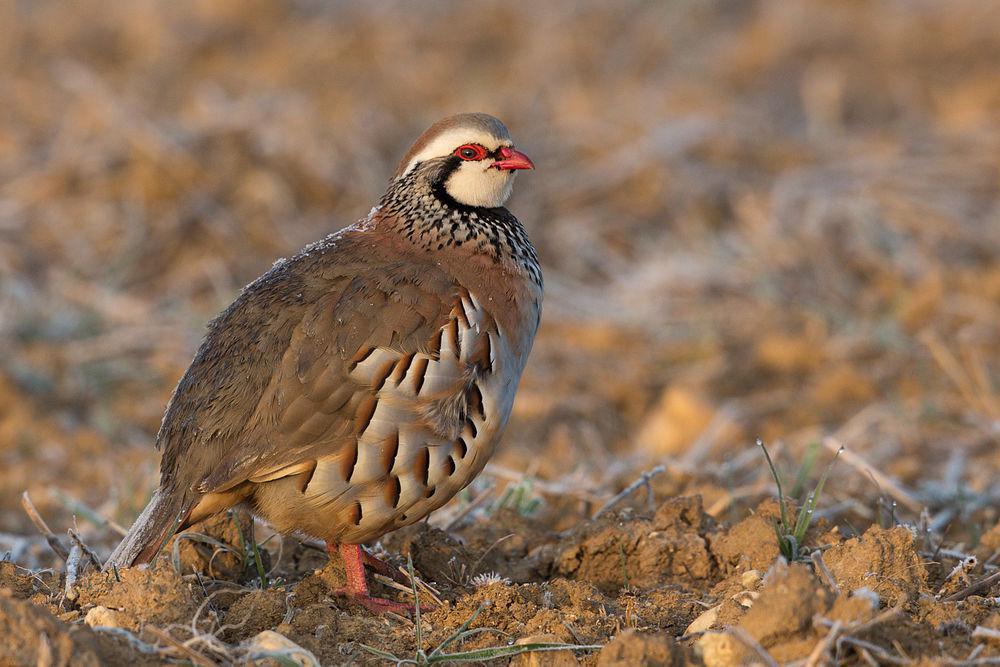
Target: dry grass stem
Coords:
[(818, 656), (817, 559), (628, 490), (43, 528), (92, 556), (891, 486), (744, 638), (180, 647)]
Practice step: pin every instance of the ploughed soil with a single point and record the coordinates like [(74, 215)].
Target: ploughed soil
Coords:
[(655, 582), (760, 218)]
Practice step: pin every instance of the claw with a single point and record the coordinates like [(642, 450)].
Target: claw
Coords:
[(355, 558), (376, 605)]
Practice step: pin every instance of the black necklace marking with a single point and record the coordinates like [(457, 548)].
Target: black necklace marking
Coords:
[(434, 220)]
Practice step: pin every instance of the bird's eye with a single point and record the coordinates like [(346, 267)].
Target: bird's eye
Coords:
[(471, 152)]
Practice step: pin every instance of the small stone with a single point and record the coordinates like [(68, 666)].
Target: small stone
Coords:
[(103, 617), (750, 578), (704, 621), (721, 649), (271, 648)]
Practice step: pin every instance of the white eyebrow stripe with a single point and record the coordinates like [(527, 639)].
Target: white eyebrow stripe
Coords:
[(449, 140)]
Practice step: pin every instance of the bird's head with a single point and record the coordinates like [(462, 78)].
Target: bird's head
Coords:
[(470, 157)]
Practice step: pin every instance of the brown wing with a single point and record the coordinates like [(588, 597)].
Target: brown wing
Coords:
[(271, 387)]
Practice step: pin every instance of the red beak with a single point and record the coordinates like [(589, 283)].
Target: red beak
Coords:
[(513, 159)]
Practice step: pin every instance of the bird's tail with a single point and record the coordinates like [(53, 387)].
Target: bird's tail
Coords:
[(163, 516)]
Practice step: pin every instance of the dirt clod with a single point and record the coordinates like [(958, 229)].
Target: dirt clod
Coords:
[(23, 584), (781, 618), (750, 544), (255, 612), (154, 594), (637, 648), (216, 548), (638, 552), (32, 636), (884, 560), (435, 553), (722, 649)]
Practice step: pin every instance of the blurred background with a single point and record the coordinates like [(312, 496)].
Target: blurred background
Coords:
[(774, 218)]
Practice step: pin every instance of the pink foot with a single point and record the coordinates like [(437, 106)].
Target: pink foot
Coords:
[(377, 605), (355, 558)]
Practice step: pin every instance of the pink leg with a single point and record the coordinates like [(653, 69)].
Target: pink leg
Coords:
[(356, 589)]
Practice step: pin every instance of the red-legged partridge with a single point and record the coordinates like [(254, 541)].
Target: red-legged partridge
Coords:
[(359, 385)]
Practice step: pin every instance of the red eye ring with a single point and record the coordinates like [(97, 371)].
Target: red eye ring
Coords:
[(471, 152)]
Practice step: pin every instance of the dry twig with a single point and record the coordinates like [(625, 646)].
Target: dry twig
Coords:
[(468, 509), (72, 571), (895, 489), (43, 528), (982, 632), (882, 654), (92, 556), (744, 638), (627, 491), (817, 559), (187, 651), (818, 654), (973, 588)]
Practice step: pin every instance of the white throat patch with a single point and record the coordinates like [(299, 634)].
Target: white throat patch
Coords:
[(474, 182), (478, 184)]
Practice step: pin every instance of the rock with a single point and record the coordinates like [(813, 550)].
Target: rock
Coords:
[(563, 658), (272, 648), (721, 649), (105, 618), (704, 621), (750, 579), (634, 648)]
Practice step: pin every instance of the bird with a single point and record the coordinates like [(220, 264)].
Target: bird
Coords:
[(359, 385)]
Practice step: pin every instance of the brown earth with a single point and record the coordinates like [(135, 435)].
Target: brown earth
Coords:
[(677, 562), (771, 218)]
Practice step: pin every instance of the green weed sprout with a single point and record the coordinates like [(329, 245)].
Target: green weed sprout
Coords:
[(791, 534)]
